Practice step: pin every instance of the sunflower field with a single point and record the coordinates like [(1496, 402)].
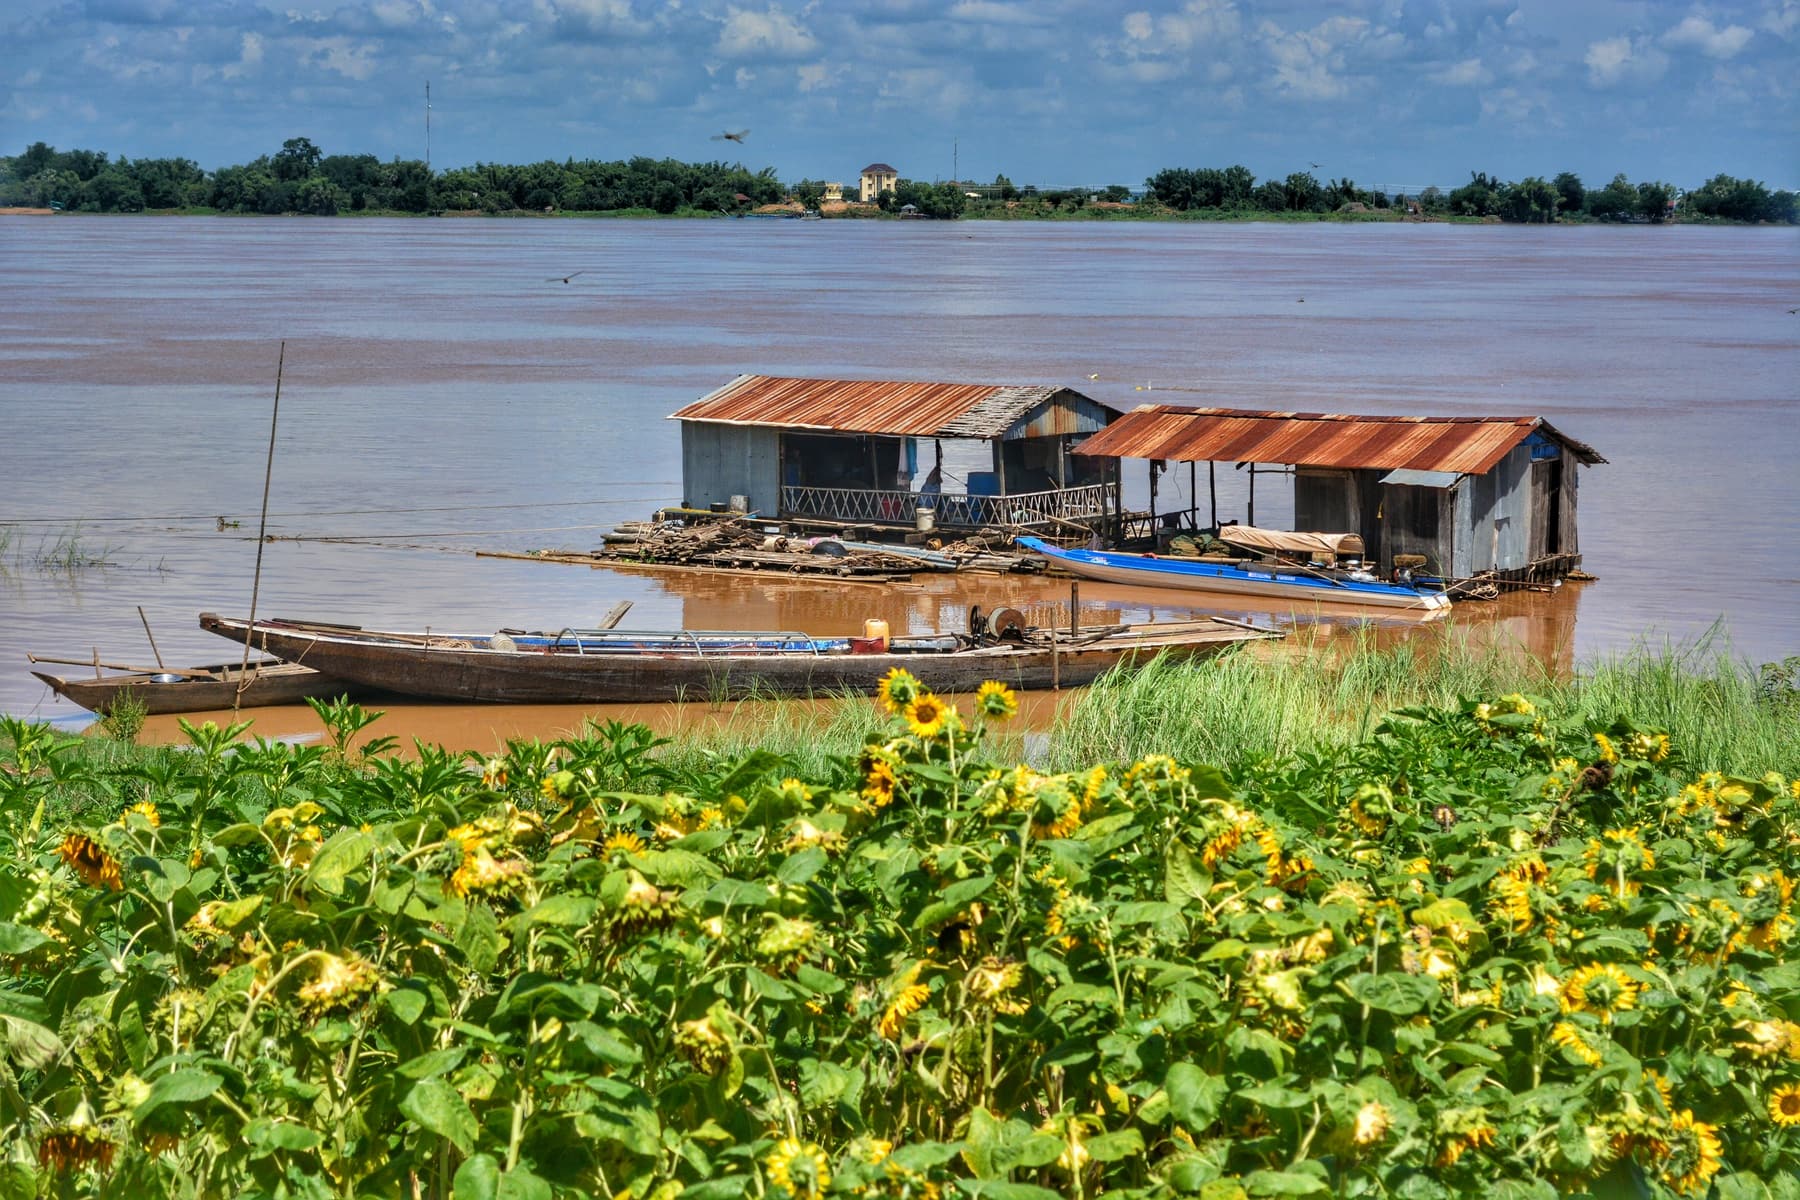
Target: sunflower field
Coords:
[(1488, 948)]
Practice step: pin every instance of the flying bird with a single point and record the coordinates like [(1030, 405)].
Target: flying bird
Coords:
[(729, 136), (1095, 376), (564, 278)]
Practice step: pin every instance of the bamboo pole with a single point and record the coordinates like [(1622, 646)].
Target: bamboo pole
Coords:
[(262, 530), (152, 637)]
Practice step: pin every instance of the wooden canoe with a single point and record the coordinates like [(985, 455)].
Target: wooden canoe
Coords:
[(1276, 581), (639, 667), (200, 689)]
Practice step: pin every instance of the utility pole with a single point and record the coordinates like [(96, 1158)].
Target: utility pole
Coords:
[(955, 177), (428, 126)]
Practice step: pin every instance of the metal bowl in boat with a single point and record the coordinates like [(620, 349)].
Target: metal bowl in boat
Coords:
[(166, 678)]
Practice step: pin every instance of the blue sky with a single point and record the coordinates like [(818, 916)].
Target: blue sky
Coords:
[(1386, 92)]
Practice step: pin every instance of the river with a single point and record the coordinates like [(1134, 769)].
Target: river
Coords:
[(444, 392)]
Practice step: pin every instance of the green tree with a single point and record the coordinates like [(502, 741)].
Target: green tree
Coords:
[(1572, 197), (1116, 193), (1270, 196), (1480, 197), (112, 190), (809, 192), (1653, 201), (1240, 186), (320, 197), (1617, 201), (1304, 193), (296, 159), (1531, 200), (1006, 189)]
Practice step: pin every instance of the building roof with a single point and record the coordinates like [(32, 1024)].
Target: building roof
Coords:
[(897, 409), (879, 169), (1470, 445)]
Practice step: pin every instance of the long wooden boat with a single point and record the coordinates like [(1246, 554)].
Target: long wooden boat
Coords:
[(199, 689), (624, 666), (1267, 579)]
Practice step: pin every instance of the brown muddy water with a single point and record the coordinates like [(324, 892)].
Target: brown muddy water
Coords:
[(441, 397)]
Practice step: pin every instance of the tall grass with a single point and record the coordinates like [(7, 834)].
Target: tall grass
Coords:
[(1244, 707)]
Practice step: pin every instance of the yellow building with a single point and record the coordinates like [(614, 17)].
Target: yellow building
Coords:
[(834, 191), (876, 179)]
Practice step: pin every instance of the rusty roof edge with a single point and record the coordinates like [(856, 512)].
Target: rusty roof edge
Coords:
[(1586, 453)]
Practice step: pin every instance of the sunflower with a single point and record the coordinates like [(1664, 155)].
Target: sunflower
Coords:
[(339, 983), (1371, 1124), (994, 699), (644, 908), (991, 979), (803, 833), (899, 688), (72, 1147), (1784, 1104), (146, 810), (1511, 901), (1601, 988), (482, 872), (1091, 789), (493, 773), (1608, 752), (907, 997), (879, 780), (704, 1044), (625, 842), (1057, 814), (927, 715), (1459, 1144), (90, 860), (1695, 1154), (1571, 1039), (798, 1169)]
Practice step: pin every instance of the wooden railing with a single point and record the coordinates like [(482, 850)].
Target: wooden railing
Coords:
[(1079, 505)]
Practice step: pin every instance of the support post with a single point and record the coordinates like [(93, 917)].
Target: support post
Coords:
[(1212, 485)]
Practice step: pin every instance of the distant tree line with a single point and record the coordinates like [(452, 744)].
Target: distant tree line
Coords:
[(1532, 199), (300, 178)]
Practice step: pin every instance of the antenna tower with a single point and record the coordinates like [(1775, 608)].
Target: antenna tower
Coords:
[(954, 148), (428, 126)]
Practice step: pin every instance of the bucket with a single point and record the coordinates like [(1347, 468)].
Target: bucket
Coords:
[(925, 520), (740, 504), (876, 630)]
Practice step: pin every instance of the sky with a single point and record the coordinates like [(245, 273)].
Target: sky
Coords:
[(1394, 93)]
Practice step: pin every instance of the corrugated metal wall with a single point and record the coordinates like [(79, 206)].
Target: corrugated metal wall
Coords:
[(722, 461)]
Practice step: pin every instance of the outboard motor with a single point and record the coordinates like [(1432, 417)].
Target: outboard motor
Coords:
[(1404, 566)]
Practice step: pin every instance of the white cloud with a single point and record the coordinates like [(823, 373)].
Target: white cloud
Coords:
[(744, 77), (1617, 60), (352, 60), (250, 53), (1307, 62), (1199, 21), (997, 13), (1467, 73), (814, 77), (1701, 34), (1138, 26), (1783, 19), (762, 34)]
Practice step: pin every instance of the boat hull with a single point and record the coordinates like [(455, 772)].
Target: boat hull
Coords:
[(1271, 583), (160, 694), (411, 666)]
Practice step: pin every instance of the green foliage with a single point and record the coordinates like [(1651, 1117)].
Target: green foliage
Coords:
[(1492, 944)]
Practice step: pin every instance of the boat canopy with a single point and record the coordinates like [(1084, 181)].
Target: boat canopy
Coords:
[(1250, 537)]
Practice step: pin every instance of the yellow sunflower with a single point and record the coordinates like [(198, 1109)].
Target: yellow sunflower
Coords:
[(1571, 1039), (1608, 752), (624, 842), (146, 810), (990, 981), (908, 996), (1695, 1154), (927, 715), (72, 1147), (1784, 1104), (798, 1169), (339, 983), (899, 688), (994, 699), (90, 860), (879, 780), (1600, 988), (1371, 1124)]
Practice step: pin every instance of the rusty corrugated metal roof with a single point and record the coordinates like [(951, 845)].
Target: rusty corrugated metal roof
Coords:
[(1471, 445), (898, 409)]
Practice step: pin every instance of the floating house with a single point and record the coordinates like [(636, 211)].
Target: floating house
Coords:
[(1472, 495), (859, 451)]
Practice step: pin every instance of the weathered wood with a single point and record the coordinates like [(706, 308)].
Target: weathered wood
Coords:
[(470, 671), (198, 689), (612, 619)]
